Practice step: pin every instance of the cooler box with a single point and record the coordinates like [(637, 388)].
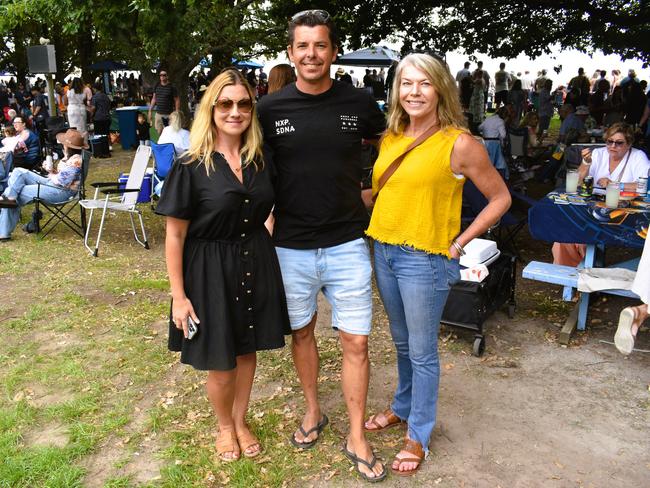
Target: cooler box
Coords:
[(145, 191), (469, 303), (99, 146)]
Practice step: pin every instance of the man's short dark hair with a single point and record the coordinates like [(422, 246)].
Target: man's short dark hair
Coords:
[(467, 63), (502, 65), (313, 18), (581, 71)]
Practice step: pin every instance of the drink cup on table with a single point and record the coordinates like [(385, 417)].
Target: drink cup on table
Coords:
[(571, 181), (613, 194)]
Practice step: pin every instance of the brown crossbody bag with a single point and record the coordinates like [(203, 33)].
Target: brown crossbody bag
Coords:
[(392, 167)]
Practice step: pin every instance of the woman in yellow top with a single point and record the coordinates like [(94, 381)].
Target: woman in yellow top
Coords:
[(416, 226)]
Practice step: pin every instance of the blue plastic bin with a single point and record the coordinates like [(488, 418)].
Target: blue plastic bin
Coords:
[(145, 191)]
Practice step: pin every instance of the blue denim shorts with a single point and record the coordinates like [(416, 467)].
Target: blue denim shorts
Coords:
[(342, 273)]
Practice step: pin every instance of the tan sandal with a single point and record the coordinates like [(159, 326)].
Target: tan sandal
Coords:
[(414, 448), (246, 441), (227, 443), (391, 421)]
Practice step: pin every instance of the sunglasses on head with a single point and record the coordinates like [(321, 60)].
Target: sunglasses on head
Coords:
[(225, 105), (612, 142), (321, 15)]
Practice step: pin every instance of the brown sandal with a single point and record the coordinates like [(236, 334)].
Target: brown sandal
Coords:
[(246, 441), (392, 420), (412, 447), (227, 442)]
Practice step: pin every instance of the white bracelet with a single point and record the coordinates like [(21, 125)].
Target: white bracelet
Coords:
[(584, 161)]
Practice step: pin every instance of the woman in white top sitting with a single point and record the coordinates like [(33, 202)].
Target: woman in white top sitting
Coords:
[(175, 134), (618, 162)]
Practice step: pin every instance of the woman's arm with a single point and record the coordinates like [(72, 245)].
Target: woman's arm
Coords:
[(470, 158), (174, 243)]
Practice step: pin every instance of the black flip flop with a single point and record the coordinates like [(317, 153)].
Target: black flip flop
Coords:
[(369, 464), (318, 429)]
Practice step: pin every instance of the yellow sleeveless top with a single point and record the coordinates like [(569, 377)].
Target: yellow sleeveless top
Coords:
[(420, 204)]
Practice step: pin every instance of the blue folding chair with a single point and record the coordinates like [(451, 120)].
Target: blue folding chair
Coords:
[(163, 159)]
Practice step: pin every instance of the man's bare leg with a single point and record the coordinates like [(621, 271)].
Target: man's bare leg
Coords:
[(305, 358), (354, 378)]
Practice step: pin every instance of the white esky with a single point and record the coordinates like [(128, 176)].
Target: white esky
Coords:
[(570, 59)]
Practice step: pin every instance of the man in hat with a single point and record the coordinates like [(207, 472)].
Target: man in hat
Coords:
[(60, 184), (343, 76)]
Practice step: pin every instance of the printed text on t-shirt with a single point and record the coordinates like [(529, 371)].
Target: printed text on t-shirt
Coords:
[(283, 126)]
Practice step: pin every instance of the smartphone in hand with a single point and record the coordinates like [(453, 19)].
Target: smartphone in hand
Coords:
[(192, 328)]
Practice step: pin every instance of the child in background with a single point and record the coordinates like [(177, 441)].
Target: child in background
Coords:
[(142, 130)]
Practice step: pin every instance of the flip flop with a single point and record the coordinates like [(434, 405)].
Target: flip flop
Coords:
[(389, 415), (318, 429), (623, 339), (369, 464)]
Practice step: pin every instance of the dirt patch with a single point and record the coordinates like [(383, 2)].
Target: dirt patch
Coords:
[(54, 341), (143, 461), (50, 435)]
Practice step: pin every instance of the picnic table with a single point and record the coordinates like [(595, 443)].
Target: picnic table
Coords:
[(559, 217)]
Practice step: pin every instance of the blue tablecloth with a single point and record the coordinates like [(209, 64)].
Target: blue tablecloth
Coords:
[(588, 224)]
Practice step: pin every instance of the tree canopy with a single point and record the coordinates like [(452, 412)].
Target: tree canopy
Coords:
[(179, 33)]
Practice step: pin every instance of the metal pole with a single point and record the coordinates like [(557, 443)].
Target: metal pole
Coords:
[(54, 107)]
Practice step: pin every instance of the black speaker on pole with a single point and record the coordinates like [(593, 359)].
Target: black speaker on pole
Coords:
[(41, 59)]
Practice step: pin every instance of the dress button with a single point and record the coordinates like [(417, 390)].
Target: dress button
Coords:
[(248, 274), (243, 234), (245, 221), (247, 201)]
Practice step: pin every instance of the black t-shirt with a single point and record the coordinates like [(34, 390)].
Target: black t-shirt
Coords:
[(102, 105), (165, 98), (316, 141)]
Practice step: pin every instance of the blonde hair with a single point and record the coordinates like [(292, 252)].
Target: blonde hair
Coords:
[(204, 134), (450, 112), (176, 120)]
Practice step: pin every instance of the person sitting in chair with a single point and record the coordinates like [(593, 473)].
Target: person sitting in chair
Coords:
[(60, 183), (27, 151), (175, 134)]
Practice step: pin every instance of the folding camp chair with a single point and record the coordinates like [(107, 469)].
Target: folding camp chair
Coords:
[(61, 210), (127, 202), (163, 159)]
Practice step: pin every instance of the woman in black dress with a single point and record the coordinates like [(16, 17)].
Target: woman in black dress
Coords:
[(222, 266)]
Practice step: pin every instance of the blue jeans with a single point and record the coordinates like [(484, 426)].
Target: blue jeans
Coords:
[(23, 186), (414, 286)]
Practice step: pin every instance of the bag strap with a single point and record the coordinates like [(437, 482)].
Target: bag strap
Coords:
[(392, 167), (620, 175)]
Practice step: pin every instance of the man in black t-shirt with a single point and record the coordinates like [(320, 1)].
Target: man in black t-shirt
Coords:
[(315, 127), (166, 100)]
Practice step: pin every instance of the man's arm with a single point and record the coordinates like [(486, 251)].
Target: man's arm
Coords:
[(177, 103)]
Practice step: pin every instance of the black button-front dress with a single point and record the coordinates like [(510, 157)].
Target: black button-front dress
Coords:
[(230, 270)]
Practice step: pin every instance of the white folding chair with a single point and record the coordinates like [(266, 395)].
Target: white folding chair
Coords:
[(120, 199)]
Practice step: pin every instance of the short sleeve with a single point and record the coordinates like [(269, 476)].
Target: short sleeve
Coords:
[(376, 121), (176, 199)]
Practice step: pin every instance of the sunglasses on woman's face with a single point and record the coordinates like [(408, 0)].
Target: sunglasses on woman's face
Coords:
[(612, 142), (225, 105)]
